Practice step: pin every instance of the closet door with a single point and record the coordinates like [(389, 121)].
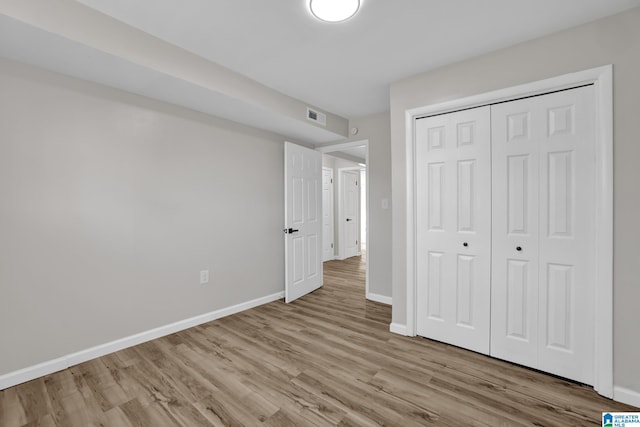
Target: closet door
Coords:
[(454, 228), (567, 230), (516, 130), (543, 306)]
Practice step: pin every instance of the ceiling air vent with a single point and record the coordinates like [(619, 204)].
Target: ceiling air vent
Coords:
[(316, 116)]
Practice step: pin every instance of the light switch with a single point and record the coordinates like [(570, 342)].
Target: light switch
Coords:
[(204, 277)]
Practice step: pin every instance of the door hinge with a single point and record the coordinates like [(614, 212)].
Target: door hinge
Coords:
[(332, 180), (356, 183), (332, 246), (356, 242)]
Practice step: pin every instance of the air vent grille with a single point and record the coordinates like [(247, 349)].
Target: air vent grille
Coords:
[(316, 116)]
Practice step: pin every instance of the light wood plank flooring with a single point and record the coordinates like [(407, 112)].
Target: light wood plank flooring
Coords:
[(326, 360)]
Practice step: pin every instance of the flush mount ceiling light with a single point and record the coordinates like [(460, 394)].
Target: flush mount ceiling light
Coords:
[(334, 10)]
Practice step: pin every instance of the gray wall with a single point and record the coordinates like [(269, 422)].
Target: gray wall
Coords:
[(113, 203), (614, 40)]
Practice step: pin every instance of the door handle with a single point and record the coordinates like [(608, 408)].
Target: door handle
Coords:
[(290, 231), (349, 219), (519, 248)]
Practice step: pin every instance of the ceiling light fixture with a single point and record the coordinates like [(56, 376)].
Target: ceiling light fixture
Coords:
[(334, 10)]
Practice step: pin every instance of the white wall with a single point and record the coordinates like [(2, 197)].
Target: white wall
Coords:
[(110, 206), (328, 161), (614, 40)]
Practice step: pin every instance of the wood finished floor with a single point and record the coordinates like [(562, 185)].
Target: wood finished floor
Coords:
[(327, 359)]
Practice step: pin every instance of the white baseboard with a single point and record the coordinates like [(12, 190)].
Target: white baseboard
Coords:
[(624, 395), (32, 372), (399, 329), (379, 298)]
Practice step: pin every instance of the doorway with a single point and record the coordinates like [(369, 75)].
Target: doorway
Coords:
[(350, 167)]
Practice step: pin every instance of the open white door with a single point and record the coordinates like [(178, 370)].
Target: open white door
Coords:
[(303, 220)]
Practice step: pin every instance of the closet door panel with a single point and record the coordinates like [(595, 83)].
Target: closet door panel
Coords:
[(567, 227), (514, 292), (453, 184), (542, 233)]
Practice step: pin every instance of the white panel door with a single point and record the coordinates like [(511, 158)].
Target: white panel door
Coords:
[(453, 167), (303, 220), (327, 214), (567, 230), (543, 233), (514, 292), (351, 212)]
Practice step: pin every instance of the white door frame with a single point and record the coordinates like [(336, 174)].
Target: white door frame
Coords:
[(341, 216), (602, 79), (328, 149)]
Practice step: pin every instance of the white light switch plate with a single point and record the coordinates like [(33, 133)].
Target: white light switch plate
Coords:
[(204, 277)]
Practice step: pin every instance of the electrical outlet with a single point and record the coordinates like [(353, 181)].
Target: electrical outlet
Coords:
[(204, 277)]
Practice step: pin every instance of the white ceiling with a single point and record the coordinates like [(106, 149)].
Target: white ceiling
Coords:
[(263, 62), (346, 68)]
